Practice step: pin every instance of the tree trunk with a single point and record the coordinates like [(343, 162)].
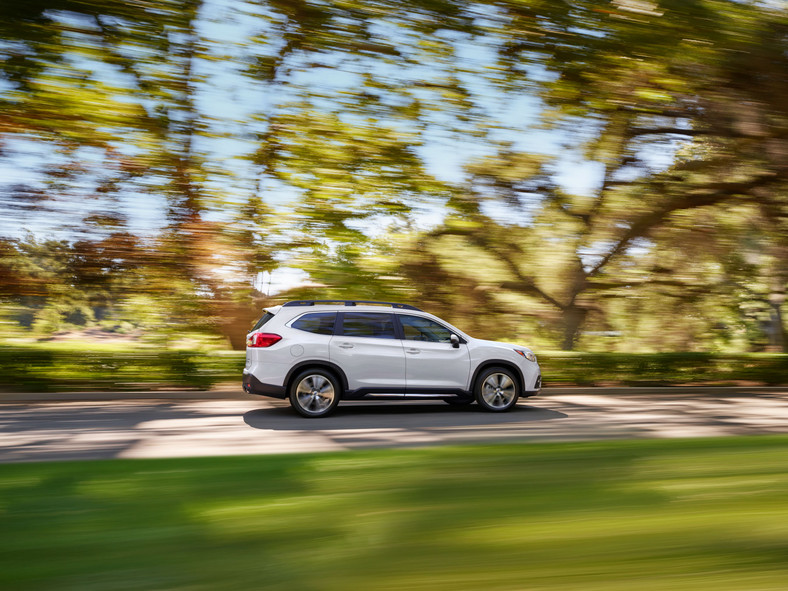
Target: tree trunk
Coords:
[(775, 327), (573, 320)]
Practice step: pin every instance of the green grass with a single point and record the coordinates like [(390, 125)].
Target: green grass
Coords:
[(646, 515)]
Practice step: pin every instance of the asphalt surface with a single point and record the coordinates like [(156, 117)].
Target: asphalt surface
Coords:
[(180, 424)]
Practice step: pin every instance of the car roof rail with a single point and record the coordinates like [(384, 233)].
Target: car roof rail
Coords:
[(349, 303)]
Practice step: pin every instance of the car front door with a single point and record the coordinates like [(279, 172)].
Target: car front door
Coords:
[(368, 350), (432, 363)]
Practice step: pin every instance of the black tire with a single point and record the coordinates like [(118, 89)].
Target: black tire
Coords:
[(314, 393), (497, 389)]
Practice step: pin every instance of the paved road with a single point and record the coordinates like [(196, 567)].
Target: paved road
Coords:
[(234, 423)]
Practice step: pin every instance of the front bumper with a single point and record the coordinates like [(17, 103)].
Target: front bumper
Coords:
[(537, 388)]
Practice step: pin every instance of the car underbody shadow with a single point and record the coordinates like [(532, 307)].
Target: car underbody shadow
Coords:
[(407, 415)]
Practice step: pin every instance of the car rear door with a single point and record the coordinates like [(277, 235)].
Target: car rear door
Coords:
[(368, 350)]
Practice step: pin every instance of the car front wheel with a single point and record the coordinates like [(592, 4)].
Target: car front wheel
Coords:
[(497, 389), (314, 393)]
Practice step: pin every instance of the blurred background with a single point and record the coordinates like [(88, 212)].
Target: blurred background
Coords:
[(589, 177), (605, 181)]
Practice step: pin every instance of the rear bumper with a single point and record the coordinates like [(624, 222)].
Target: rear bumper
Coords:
[(252, 385)]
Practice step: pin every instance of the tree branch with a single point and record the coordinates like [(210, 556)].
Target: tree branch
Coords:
[(699, 197), (521, 282)]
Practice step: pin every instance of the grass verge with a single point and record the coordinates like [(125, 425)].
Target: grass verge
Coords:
[(648, 515)]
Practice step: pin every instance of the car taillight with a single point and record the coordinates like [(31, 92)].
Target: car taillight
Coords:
[(262, 339)]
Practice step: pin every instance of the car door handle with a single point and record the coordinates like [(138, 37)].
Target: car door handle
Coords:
[(413, 351), (346, 345)]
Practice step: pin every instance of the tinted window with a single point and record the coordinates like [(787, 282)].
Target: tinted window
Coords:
[(424, 329), (265, 318), (369, 324), (317, 323)]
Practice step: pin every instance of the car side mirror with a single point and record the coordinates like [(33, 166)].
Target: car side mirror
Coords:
[(455, 341)]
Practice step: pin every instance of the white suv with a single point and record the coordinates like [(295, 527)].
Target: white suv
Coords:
[(316, 352)]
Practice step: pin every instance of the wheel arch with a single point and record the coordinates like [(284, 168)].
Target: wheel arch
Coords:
[(318, 363), (498, 363)]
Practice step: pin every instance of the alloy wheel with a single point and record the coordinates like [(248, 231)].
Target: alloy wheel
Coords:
[(498, 390), (315, 394)]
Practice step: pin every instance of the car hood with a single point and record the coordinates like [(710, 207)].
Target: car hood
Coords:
[(509, 346)]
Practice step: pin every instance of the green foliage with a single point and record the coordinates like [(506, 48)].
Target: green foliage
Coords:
[(75, 367), (656, 515), (322, 154), (661, 369), (629, 84)]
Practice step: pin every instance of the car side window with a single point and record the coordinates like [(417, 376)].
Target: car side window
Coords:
[(368, 324), (317, 323), (417, 328)]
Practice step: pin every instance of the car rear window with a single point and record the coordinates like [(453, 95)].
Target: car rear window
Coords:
[(368, 324), (262, 320), (317, 322)]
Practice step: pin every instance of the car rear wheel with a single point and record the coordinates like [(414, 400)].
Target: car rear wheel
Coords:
[(314, 393), (497, 389)]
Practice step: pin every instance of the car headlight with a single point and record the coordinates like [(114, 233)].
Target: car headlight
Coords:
[(529, 355)]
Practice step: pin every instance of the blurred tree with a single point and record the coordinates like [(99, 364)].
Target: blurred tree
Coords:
[(339, 109), (630, 84), (112, 92), (721, 292), (52, 283), (366, 83)]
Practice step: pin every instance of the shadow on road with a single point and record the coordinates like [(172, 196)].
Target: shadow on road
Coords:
[(88, 430), (396, 415), (177, 428)]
